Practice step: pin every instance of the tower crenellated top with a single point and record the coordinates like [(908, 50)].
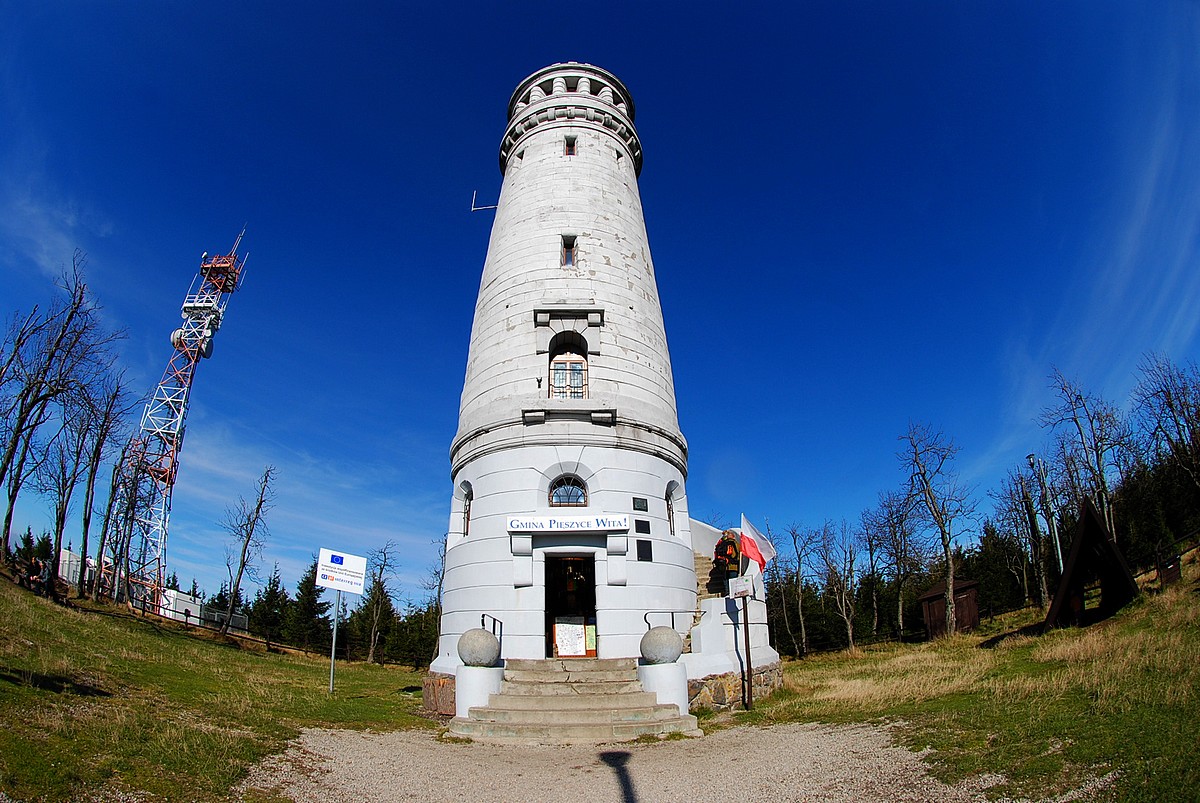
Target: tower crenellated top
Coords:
[(571, 93)]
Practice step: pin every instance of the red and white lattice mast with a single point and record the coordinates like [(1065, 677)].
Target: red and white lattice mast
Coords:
[(142, 506)]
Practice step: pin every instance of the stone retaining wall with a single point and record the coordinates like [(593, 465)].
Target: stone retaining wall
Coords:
[(724, 692)]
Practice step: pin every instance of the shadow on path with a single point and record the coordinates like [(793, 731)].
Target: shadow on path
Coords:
[(617, 759)]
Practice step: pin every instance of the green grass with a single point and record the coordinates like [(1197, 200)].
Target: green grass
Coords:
[(99, 699), (1046, 712)]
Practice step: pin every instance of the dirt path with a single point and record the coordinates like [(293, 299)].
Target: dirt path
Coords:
[(783, 763)]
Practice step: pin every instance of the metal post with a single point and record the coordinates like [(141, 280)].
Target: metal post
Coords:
[(749, 663), (337, 612), (1039, 469)]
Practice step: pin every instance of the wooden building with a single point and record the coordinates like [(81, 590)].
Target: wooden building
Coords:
[(966, 607)]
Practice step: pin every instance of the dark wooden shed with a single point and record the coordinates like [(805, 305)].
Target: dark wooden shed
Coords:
[(966, 607)]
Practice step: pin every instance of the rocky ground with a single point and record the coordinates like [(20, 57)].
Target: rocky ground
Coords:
[(783, 763)]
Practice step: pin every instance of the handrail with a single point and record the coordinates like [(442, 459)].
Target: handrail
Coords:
[(646, 618), (496, 624)]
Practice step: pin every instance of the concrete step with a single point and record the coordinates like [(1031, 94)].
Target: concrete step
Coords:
[(570, 676), (568, 732), (586, 716), (572, 702), (593, 688), (570, 664)]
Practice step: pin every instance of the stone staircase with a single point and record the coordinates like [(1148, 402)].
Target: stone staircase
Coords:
[(571, 701)]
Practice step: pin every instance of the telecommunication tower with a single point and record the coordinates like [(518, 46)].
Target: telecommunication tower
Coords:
[(146, 476)]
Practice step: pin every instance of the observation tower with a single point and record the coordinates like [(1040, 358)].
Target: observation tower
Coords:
[(569, 530)]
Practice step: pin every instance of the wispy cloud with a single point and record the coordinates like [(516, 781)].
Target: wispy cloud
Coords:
[(319, 502)]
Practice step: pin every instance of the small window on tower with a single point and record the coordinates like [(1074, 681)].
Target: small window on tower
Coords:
[(568, 491), (569, 148), (468, 496), (568, 376), (570, 254)]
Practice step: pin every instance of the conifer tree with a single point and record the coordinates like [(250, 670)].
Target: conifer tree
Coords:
[(307, 624), (269, 608)]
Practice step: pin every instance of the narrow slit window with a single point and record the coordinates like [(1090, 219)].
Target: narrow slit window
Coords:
[(570, 254), (468, 497), (569, 146)]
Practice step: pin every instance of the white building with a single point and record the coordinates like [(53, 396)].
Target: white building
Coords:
[(569, 466)]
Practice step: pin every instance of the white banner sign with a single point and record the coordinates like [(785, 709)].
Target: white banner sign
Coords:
[(341, 571), (564, 524)]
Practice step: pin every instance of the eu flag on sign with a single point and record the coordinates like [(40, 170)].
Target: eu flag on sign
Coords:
[(338, 559)]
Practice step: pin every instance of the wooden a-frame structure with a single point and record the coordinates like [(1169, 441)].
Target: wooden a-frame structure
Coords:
[(1094, 556)]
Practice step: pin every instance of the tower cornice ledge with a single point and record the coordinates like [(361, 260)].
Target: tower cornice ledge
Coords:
[(517, 433), (569, 94), (571, 110)]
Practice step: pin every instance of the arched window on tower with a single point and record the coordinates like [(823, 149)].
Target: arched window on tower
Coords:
[(468, 497), (568, 491), (670, 514), (568, 367)]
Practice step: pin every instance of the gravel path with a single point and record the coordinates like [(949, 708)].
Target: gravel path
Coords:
[(783, 763)]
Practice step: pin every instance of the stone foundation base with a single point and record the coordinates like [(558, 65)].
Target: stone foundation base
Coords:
[(437, 693), (724, 692)]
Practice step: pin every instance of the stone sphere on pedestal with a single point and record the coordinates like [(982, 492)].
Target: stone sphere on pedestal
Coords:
[(661, 645), (478, 647)]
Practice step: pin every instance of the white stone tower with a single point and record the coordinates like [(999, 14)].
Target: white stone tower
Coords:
[(569, 517)]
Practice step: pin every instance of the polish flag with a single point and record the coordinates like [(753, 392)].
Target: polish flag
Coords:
[(755, 545)]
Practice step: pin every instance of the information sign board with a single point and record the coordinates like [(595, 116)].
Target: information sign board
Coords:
[(740, 587), (341, 571)]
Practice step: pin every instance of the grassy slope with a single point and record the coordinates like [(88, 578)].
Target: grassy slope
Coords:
[(100, 699), (1047, 712)]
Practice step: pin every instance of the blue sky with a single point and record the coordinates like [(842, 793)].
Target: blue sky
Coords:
[(861, 215)]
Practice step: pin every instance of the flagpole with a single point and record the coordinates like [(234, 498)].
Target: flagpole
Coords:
[(749, 663)]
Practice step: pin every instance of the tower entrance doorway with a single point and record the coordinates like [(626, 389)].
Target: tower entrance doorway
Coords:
[(570, 606)]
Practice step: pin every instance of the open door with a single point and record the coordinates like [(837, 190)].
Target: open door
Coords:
[(570, 606)]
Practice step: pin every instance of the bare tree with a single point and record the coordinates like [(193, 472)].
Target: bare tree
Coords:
[(1094, 433), (943, 502), (29, 458), (47, 356), (903, 551), (433, 584), (871, 540), (803, 542), (381, 560), (59, 475), (1016, 514), (838, 553), (1167, 400), (107, 407), (246, 523)]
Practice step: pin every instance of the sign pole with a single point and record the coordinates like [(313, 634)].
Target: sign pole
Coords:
[(749, 663), (337, 612)]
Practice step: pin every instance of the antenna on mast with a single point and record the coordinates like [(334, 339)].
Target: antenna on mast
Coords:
[(475, 208)]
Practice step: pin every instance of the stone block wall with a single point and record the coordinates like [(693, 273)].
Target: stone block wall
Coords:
[(724, 692)]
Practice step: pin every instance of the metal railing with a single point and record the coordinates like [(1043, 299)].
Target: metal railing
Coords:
[(646, 617), (497, 626)]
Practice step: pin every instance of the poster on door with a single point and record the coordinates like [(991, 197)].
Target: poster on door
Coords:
[(570, 637)]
